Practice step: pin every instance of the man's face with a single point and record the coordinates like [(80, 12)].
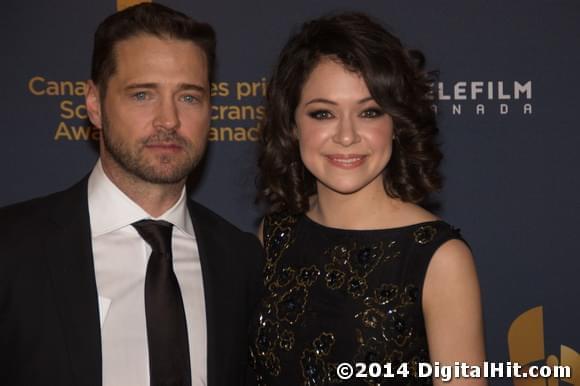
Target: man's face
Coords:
[(156, 112)]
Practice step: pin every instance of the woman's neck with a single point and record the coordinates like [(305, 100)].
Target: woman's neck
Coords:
[(369, 208)]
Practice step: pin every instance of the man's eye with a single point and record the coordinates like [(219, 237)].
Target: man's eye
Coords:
[(190, 99), (140, 96), (372, 113), (320, 114)]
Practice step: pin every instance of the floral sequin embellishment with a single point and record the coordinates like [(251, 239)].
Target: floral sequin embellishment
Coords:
[(278, 236), (266, 340), (351, 263), (308, 276), (386, 293), (323, 343), (334, 277), (291, 305), (287, 340), (364, 260), (395, 327), (283, 278), (356, 287), (425, 234), (315, 370), (267, 337)]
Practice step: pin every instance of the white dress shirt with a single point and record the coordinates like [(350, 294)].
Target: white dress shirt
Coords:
[(120, 257)]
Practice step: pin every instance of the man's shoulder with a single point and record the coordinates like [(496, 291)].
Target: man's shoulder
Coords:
[(234, 247), (26, 212), (211, 220)]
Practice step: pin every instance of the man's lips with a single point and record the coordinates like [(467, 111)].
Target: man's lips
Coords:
[(163, 146), (346, 161)]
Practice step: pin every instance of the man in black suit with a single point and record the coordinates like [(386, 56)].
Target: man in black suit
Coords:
[(121, 279)]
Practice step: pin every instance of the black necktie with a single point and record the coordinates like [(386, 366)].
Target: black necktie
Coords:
[(166, 324)]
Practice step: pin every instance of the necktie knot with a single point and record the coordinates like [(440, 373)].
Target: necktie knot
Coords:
[(157, 233)]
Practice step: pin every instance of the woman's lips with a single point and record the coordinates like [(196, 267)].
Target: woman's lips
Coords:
[(346, 161)]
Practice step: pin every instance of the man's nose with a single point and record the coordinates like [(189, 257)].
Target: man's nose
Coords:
[(167, 116)]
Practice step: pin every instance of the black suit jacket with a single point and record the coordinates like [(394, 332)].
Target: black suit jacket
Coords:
[(49, 319)]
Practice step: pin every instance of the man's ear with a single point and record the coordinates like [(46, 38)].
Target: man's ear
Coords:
[(93, 102)]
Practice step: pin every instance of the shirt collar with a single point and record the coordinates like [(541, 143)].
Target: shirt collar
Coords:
[(110, 209)]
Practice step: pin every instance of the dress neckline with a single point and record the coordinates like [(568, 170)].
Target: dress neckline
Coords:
[(315, 224)]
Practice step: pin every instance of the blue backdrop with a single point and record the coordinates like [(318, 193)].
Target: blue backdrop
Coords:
[(508, 116)]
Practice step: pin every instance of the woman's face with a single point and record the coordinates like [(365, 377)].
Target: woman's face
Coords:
[(345, 138)]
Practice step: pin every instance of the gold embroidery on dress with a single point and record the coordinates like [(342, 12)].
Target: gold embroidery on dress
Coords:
[(315, 369), (425, 234), (385, 313)]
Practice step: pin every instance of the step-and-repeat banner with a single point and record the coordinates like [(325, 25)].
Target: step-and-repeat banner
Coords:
[(509, 103)]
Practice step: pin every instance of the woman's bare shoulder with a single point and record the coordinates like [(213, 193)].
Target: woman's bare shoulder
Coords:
[(408, 214)]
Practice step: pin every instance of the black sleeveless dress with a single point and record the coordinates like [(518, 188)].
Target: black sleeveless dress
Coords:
[(335, 295)]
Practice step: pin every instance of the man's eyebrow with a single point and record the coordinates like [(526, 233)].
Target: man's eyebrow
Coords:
[(133, 86), (191, 86), (181, 86)]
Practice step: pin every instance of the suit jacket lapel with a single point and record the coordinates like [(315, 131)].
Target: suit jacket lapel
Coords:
[(209, 246), (72, 270)]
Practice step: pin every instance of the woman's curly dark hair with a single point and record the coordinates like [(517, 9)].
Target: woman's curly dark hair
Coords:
[(396, 81)]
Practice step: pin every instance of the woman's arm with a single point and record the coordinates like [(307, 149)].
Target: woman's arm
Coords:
[(452, 309)]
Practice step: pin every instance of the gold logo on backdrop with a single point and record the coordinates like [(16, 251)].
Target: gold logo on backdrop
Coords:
[(122, 4), (526, 347)]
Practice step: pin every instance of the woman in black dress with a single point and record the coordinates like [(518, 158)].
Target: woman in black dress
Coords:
[(356, 270)]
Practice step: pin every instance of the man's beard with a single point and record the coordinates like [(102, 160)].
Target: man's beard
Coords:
[(166, 169)]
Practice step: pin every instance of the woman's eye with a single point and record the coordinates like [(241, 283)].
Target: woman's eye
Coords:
[(320, 114), (371, 113)]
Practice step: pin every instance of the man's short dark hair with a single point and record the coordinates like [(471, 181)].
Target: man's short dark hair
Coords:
[(146, 19)]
